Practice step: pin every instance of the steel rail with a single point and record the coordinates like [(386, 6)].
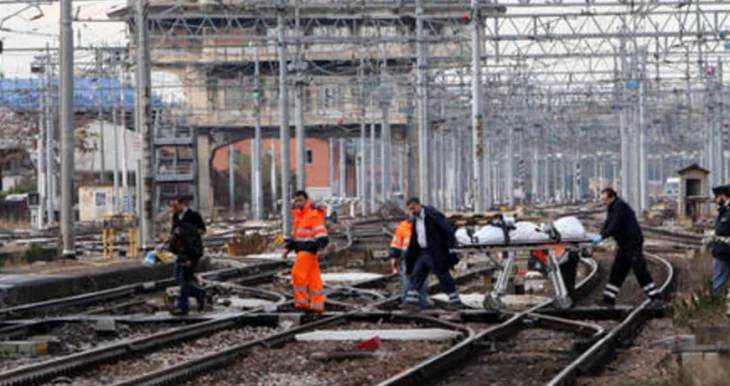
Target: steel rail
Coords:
[(424, 371), (597, 355), (189, 369)]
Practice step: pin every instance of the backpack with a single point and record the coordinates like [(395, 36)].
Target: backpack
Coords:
[(188, 242)]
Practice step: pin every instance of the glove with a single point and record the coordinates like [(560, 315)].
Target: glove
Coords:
[(596, 239)]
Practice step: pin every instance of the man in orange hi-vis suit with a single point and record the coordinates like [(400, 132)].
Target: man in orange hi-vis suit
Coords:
[(309, 238), (398, 247)]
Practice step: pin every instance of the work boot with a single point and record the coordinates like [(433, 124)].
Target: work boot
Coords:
[(655, 305), (202, 299), (179, 312)]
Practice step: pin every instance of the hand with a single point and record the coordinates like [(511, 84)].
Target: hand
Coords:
[(394, 265), (320, 254), (596, 239), (285, 255)]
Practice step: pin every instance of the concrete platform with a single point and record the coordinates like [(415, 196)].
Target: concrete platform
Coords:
[(44, 283), (432, 334)]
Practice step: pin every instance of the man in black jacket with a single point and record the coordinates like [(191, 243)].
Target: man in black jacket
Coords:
[(186, 243), (721, 242), (621, 224), (430, 250)]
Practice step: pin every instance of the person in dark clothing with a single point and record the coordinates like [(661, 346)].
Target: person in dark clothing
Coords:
[(429, 250), (186, 242), (721, 242), (622, 225)]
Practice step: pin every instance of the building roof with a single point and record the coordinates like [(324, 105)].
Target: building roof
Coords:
[(693, 167)]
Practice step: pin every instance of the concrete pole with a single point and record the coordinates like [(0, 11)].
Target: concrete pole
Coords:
[(719, 138), (362, 159), (535, 171), (546, 178), (510, 166), (144, 127), (274, 188), (67, 130), (644, 177), (257, 185), (424, 157), (333, 185), (41, 164), (284, 123), (385, 137), (373, 187), (231, 179), (125, 172), (299, 106), (100, 92), (50, 142), (117, 201), (343, 169), (410, 159), (476, 108)]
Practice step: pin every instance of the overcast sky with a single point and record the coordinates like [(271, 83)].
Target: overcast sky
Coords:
[(21, 31)]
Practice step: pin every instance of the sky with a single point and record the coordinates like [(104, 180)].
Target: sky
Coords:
[(22, 32)]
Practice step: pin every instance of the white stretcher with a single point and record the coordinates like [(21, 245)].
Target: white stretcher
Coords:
[(555, 243)]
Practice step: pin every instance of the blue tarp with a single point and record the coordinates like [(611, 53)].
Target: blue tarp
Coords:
[(22, 94)]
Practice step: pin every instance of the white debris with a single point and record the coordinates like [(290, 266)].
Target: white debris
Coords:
[(393, 334)]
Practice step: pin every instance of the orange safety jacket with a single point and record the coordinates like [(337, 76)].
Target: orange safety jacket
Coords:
[(309, 233), (401, 240), (542, 256)]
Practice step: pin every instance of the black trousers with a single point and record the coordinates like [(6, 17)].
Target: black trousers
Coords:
[(569, 270), (627, 259)]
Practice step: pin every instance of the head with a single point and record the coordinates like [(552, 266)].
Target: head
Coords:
[(178, 204), (722, 195), (608, 196), (414, 206), (300, 199)]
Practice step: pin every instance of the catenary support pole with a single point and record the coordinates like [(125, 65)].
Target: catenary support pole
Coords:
[(100, 95), (424, 174), (125, 170), (476, 108), (41, 164), (343, 168), (231, 178), (643, 161), (333, 184), (299, 105), (50, 113), (257, 167), (67, 130), (117, 201), (284, 123), (373, 188), (144, 127)]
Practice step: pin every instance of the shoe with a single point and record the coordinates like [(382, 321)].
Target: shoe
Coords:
[(202, 299), (179, 312), (655, 304), (604, 304)]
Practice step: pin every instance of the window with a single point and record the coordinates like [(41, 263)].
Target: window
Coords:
[(309, 156), (100, 198)]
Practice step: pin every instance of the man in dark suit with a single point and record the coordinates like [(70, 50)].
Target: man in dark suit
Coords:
[(187, 229), (430, 250)]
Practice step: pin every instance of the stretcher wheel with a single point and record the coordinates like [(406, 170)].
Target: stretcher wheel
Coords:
[(563, 303)]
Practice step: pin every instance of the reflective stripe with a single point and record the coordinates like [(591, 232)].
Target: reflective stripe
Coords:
[(653, 292), (611, 287), (609, 294), (649, 286), (318, 228), (319, 306), (300, 289), (303, 231), (322, 236), (302, 301), (320, 292)]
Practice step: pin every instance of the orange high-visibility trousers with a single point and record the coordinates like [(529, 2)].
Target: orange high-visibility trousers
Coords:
[(307, 282)]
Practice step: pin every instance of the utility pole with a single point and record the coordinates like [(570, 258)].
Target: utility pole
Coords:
[(117, 201), (50, 113), (385, 136), (410, 159), (42, 186), (333, 186), (509, 177), (123, 119), (99, 89), (424, 175), (274, 189), (143, 125), (67, 130), (231, 179), (644, 177), (373, 187), (363, 154), (343, 169), (476, 107), (284, 122), (257, 186), (299, 105)]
